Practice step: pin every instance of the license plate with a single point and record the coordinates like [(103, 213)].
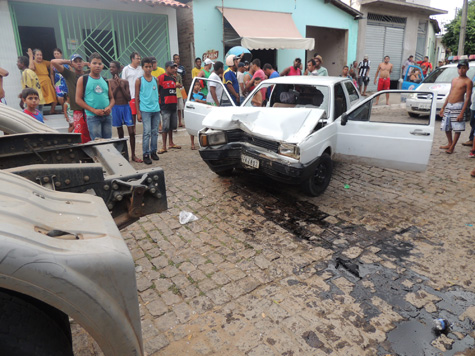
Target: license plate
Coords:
[(249, 161), (424, 106)]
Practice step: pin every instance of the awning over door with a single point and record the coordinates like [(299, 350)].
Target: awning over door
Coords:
[(266, 29)]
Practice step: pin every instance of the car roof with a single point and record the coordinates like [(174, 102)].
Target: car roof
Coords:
[(306, 79)]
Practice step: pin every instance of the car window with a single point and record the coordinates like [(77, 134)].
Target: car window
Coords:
[(386, 113), (446, 75), (203, 91), (292, 96), (352, 92), (340, 101)]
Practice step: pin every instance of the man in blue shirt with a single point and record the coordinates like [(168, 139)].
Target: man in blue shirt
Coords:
[(230, 78), (270, 73)]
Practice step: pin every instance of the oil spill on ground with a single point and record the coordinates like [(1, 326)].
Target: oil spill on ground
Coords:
[(411, 336)]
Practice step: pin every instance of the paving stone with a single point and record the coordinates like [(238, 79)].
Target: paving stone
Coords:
[(155, 344), (156, 307), (218, 296), (170, 298), (183, 312)]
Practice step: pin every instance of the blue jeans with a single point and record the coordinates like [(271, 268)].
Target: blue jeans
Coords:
[(472, 124), (99, 126), (150, 122)]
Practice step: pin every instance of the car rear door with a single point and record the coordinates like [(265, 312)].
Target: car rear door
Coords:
[(384, 135), (196, 111)]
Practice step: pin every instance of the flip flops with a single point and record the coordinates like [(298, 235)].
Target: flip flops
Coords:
[(175, 147), (161, 150)]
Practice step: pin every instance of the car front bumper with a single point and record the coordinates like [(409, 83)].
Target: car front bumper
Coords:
[(273, 165)]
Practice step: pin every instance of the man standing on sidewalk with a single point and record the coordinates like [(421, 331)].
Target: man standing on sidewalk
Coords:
[(130, 73), (148, 110), (76, 62), (363, 75), (384, 70), (453, 110), (168, 105), (94, 95), (121, 113)]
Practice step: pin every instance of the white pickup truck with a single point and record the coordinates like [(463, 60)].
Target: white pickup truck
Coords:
[(303, 125)]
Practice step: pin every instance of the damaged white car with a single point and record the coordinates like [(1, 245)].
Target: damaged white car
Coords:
[(294, 134)]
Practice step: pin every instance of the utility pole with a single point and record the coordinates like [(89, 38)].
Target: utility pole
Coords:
[(463, 29)]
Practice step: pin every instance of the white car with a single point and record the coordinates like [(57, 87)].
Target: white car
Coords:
[(439, 81), (305, 123)]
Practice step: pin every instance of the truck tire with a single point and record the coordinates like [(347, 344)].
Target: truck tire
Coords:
[(318, 182), (31, 327), (412, 114)]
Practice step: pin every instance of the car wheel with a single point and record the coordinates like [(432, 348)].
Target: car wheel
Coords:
[(411, 114), (225, 173), (318, 182), (31, 327)]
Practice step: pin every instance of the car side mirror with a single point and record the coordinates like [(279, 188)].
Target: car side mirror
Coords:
[(344, 119)]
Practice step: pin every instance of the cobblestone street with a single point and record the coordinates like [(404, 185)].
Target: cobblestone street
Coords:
[(266, 270)]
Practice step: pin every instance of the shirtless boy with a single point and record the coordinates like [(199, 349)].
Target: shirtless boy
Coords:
[(121, 112), (384, 71), (452, 112)]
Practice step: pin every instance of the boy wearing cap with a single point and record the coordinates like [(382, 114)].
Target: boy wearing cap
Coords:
[(230, 78), (453, 110), (205, 73), (77, 64), (168, 105)]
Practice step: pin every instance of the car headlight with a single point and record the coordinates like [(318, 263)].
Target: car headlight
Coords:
[(289, 150), (211, 137)]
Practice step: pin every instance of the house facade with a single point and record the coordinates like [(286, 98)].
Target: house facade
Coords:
[(397, 28), (276, 32), (114, 28)]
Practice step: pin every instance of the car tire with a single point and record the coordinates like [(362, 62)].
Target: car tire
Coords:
[(31, 327), (318, 182), (412, 114), (225, 173)]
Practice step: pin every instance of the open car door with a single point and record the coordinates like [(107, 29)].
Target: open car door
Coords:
[(384, 135), (197, 106)]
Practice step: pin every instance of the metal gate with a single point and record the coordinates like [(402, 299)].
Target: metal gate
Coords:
[(384, 36), (113, 34)]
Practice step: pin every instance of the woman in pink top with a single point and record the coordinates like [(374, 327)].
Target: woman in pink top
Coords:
[(293, 70)]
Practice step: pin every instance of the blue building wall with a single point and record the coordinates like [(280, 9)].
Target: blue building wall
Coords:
[(208, 23)]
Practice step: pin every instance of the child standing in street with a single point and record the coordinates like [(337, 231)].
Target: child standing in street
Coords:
[(31, 100), (148, 110)]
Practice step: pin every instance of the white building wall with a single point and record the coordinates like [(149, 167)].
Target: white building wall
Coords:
[(8, 57), (8, 50)]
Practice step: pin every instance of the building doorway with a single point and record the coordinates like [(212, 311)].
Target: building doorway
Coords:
[(332, 45), (37, 37)]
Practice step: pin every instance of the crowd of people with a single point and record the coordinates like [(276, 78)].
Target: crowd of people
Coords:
[(142, 91)]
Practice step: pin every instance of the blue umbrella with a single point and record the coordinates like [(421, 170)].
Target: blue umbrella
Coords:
[(240, 51)]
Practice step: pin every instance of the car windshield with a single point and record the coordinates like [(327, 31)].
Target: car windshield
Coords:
[(290, 96), (446, 75)]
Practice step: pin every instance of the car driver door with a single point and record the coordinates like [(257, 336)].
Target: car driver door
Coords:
[(197, 106), (384, 135)]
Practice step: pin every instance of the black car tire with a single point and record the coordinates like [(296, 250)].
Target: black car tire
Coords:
[(412, 114), (31, 327), (318, 182)]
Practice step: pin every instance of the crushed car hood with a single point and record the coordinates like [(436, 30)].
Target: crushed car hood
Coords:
[(280, 124)]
